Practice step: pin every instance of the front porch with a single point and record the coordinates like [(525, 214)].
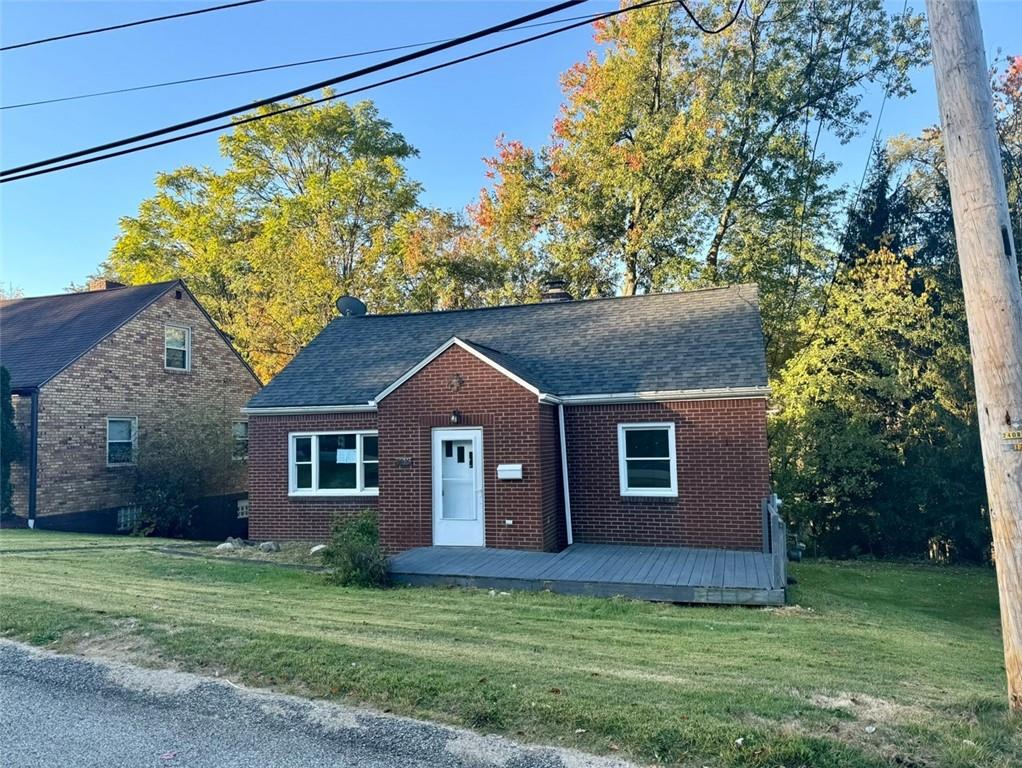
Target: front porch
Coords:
[(667, 574)]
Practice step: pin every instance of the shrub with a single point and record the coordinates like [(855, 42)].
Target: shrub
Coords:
[(178, 465), (354, 552)]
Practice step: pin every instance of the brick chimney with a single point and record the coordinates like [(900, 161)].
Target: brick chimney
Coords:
[(102, 284)]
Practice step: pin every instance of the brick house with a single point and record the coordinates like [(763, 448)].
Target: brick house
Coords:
[(94, 373), (636, 420)]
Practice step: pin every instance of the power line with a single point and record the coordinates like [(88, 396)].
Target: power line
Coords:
[(470, 37), (313, 102), (270, 68), (138, 23)]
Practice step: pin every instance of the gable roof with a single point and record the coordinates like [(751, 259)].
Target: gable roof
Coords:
[(491, 357), (40, 337), (656, 343)]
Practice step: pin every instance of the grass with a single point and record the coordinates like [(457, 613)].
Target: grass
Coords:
[(911, 651)]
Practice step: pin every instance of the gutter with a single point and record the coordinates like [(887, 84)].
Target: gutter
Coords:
[(564, 474), (721, 393), (296, 410)]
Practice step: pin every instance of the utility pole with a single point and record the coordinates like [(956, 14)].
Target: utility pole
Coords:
[(993, 298)]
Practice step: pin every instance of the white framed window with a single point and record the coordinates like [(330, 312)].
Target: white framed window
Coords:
[(177, 347), (239, 430), (121, 440), (647, 462), (333, 463), (243, 509)]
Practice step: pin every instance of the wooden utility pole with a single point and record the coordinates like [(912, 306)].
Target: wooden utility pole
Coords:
[(993, 298)]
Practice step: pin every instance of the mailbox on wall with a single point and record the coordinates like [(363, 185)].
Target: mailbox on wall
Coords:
[(509, 471)]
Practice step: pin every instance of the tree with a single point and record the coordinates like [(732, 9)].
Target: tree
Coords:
[(684, 159), (313, 205), (10, 441), (876, 447)]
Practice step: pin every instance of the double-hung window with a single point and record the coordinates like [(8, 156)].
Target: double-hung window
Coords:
[(239, 430), (646, 459), (177, 348), (334, 464), (121, 440)]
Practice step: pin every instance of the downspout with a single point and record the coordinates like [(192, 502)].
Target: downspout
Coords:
[(564, 474), (33, 442)]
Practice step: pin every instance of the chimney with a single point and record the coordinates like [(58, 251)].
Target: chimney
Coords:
[(555, 289), (102, 284)]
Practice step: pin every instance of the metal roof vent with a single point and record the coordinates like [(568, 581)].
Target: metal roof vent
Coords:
[(555, 289), (349, 306)]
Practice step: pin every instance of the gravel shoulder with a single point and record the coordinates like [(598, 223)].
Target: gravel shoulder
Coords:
[(65, 710)]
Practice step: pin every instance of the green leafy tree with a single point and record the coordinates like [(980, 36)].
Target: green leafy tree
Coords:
[(312, 205), (876, 447), (10, 441), (684, 159)]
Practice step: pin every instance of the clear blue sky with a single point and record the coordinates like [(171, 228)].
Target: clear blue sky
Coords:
[(55, 229)]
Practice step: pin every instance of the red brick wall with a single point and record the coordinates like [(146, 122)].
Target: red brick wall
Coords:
[(124, 375), (272, 514), (511, 420), (723, 475)]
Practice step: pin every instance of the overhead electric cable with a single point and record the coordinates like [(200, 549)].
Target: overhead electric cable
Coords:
[(10, 174), (138, 23), (470, 37), (273, 67)]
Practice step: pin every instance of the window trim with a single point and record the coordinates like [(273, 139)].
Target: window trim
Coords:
[(622, 460), (292, 468), (134, 441), (188, 347)]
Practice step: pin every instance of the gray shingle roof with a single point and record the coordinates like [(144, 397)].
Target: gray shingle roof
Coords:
[(704, 339), (41, 336)]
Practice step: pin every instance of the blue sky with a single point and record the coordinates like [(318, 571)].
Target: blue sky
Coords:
[(55, 229)]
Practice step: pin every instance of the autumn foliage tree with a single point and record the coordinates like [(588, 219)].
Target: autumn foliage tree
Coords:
[(683, 159), (311, 206)]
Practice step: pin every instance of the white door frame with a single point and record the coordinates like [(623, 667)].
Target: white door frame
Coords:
[(474, 531)]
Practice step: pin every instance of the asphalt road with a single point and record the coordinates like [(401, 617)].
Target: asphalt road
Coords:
[(60, 710)]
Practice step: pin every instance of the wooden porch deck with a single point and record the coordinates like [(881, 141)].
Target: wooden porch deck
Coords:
[(667, 574)]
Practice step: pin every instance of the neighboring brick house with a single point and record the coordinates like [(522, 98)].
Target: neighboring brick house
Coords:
[(94, 373), (636, 420)]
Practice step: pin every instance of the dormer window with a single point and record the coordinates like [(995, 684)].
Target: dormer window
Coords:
[(177, 346)]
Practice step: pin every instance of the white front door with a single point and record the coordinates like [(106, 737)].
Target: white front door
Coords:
[(458, 488)]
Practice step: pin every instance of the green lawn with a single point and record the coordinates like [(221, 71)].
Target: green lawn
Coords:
[(912, 651)]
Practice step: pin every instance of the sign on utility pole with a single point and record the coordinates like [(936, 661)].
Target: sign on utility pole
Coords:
[(993, 298)]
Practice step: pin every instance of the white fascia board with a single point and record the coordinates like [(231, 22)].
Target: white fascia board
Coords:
[(297, 410), (455, 341), (722, 393)]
